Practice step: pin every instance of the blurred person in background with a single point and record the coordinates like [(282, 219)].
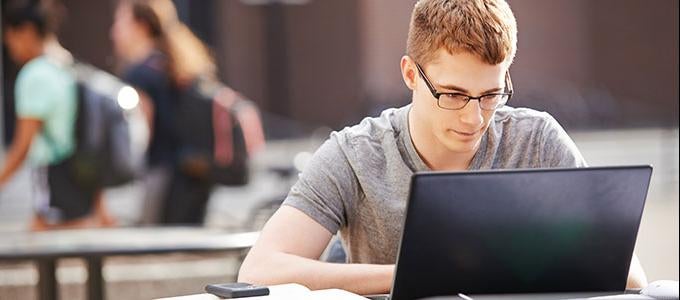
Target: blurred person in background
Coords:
[(161, 57), (46, 107)]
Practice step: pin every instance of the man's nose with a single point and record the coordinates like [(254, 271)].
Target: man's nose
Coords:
[(471, 114)]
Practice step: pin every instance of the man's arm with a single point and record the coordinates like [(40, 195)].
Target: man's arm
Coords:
[(288, 251), (636, 275), (27, 129)]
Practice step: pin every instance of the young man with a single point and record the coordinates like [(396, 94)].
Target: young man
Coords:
[(458, 56)]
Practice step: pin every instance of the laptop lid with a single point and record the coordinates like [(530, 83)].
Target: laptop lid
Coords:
[(520, 231)]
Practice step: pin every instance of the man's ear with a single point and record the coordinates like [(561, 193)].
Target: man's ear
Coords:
[(409, 72)]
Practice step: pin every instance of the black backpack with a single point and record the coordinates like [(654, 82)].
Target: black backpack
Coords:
[(218, 130), (103, 154)]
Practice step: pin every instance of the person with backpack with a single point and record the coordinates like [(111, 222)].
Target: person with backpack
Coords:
[(168, 65), (46, 106)]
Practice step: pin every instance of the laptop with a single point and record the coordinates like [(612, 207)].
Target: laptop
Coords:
[(526, 231)]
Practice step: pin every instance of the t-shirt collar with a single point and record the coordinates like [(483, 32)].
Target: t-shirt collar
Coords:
[(415, 161)]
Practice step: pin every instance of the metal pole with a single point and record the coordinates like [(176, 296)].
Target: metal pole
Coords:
[(47, 282), (96, 287), (2, 98)]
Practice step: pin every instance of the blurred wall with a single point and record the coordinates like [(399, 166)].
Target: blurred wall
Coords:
[(592, 64), (85, 31), (297, 61), (599, 64), (636, 50), (384, 28), (552, 66)]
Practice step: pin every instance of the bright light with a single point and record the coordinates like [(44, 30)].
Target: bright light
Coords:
[(128, 98)]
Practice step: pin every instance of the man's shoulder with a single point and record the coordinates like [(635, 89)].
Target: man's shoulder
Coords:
[(512, 124), (42, 68), (520, 114), (522, 119), (53, 79), (375, 129), (152, 70)]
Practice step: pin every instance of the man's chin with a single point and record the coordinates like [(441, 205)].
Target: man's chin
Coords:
[(461, 147)]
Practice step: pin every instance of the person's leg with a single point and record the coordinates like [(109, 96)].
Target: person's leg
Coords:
[(39, 223), (44, 217), (101, 213), (48, 218), (156, 185), (40, 195), (187, 200)]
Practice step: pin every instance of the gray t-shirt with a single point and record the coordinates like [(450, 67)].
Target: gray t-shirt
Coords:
[(358, 180)]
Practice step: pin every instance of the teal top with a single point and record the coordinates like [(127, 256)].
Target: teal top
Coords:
[(45, 90)]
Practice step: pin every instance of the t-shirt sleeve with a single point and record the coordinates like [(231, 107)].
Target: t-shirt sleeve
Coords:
[(326, 187), (559, 150), (36, 94)]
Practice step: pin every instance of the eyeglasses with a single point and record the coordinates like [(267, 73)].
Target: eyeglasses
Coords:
[(456, 101)]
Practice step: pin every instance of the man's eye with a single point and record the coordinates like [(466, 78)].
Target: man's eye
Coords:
[(491, 97), (455, 96)]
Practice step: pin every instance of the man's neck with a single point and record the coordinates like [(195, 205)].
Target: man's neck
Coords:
[(34, 52), (54, 50), (435, 155)]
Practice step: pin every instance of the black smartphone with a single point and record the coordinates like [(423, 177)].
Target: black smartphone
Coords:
[(236, 290)]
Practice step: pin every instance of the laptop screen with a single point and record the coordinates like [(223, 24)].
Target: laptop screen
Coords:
[(520, 231)]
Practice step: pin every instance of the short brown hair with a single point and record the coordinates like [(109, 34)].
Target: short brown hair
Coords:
[(485, 28), (44, 15)]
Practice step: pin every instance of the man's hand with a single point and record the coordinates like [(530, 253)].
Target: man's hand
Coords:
[(288, 251), (636, 275)]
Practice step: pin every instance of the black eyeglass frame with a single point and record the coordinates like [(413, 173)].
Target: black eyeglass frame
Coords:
[(508, 92)]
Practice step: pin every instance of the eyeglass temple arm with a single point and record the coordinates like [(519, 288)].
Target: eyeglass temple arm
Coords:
[(427, 82)]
